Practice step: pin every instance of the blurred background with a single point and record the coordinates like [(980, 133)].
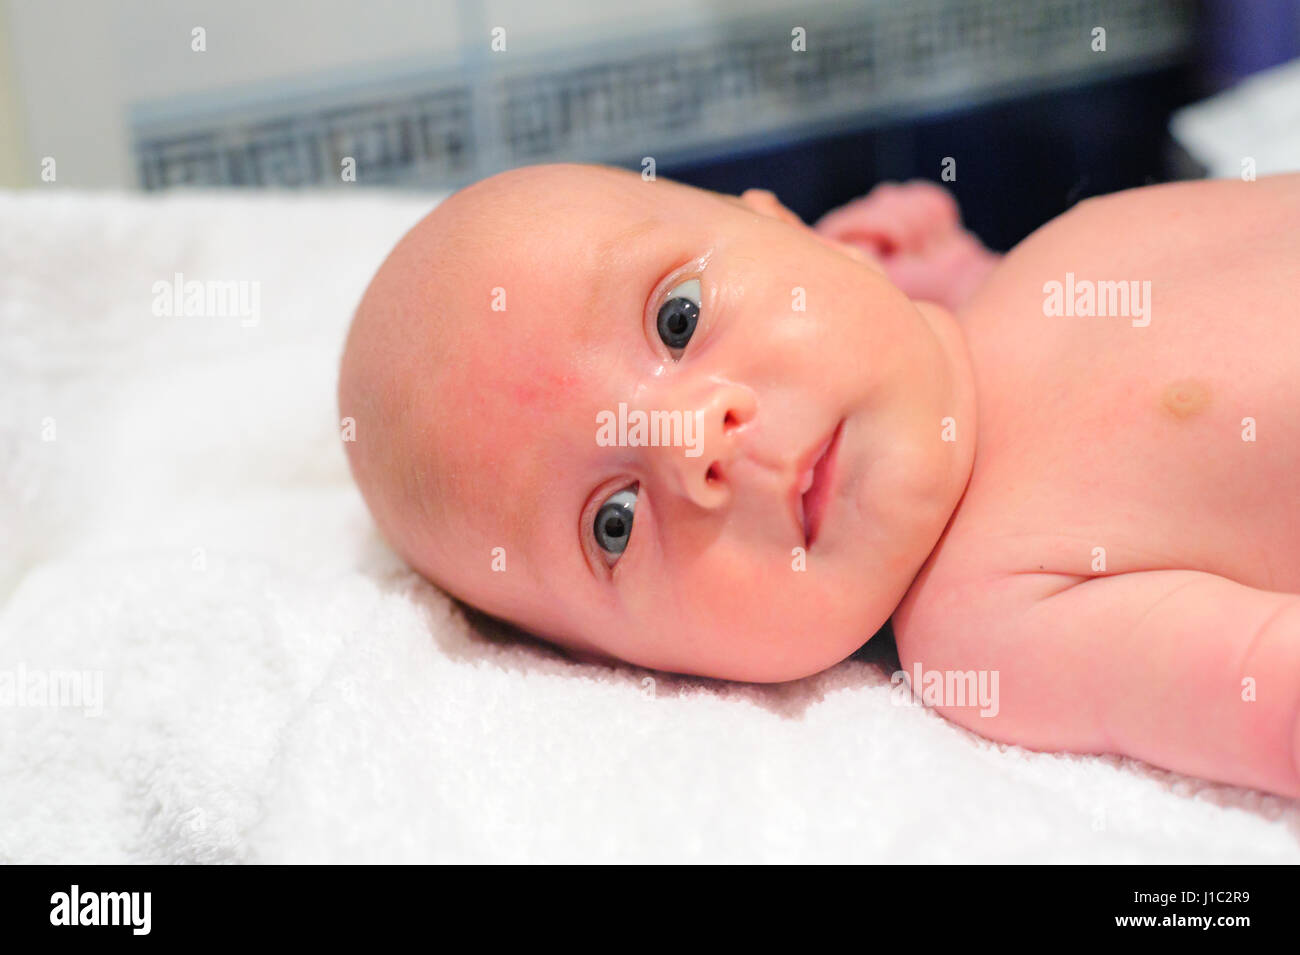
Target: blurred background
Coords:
[(814, 100)]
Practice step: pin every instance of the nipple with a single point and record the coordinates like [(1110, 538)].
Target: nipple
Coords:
[(1184, 398)]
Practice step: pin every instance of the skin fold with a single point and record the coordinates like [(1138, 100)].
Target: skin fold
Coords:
[(526, 309)]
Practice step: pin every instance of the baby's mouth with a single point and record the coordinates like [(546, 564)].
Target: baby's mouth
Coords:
[(815, 484)]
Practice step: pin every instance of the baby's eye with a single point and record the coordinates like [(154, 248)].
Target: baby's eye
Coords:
[(679, 315), (613, 524)]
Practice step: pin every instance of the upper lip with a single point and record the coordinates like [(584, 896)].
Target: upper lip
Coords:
[(804, 478)]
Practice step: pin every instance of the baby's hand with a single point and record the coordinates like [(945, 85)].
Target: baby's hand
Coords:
[(914, 230)]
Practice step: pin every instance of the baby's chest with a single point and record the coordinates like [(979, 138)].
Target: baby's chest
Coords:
[(1167, 435)]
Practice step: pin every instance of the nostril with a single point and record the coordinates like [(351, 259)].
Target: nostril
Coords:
[(713, 474), (729, 421)]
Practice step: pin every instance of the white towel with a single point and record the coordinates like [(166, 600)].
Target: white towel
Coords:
[(277, 687)]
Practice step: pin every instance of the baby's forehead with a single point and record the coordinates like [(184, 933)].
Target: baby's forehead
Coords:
[(550, 297), (555, 211)]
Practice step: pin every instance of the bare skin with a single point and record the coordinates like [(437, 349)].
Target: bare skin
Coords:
[(1183, 647), (477, 454)]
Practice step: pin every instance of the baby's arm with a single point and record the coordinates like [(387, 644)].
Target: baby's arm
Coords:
[(914, 231), (1187, 670)]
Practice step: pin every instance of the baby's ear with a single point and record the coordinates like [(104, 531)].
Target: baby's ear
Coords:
[(767, 204)]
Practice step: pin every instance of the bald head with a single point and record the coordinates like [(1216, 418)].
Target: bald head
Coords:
[(442, 352)]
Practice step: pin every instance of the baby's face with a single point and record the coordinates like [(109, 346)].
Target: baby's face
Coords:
[(654, 423)]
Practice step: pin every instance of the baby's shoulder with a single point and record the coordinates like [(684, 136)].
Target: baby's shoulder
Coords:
[(965, 624), (1152, 223)]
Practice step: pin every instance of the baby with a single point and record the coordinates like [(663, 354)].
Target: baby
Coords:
[(685, 430)]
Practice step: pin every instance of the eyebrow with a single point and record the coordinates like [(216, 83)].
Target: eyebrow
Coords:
[(627, 235), (604, 281), (616, 247)]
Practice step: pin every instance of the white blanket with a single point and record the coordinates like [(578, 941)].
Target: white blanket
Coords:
[(177, 522)]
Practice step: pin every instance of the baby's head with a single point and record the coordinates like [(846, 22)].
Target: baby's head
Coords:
[(592, 405)]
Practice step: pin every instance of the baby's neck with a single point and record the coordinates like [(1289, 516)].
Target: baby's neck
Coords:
[(960, 425)]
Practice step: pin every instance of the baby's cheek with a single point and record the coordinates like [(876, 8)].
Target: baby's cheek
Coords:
[(743, 599), (546, 388)]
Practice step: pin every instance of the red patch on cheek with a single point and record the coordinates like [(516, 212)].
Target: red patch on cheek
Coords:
[(547, 387), (524, 394)]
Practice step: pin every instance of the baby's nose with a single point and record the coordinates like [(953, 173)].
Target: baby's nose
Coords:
[(701, 468)]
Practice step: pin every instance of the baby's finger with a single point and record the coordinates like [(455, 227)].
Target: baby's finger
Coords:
[(873, 220), (895, 217)]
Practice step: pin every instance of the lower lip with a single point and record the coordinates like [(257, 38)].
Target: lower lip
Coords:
[(817, 498)]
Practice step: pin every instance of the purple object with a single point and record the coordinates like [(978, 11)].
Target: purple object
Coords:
[(1241, 37)]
